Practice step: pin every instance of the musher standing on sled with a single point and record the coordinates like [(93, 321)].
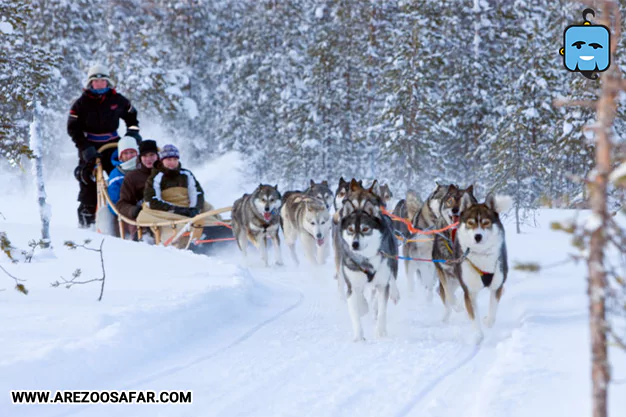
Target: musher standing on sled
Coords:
[(93, 122)]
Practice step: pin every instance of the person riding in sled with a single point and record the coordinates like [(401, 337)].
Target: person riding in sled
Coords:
[(173, 193), (93, 122), (125, 162), (134, 183)]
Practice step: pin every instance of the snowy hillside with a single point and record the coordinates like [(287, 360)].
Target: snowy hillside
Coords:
[(255, 341)]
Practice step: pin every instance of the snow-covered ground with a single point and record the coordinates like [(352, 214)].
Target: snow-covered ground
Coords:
[(255, 341)]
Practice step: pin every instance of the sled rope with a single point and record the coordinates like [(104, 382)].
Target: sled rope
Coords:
[(412, 229), (414, 240), (223, 239), (437, 261)]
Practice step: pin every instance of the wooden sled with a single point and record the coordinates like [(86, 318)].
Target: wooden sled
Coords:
[(222, 229)]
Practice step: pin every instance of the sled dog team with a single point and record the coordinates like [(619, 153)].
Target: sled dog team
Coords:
[(450, 238)]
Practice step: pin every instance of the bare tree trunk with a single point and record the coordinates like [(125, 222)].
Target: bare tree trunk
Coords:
[(35, 145), (606, 108)]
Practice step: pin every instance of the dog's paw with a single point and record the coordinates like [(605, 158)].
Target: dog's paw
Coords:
[(488, 321), (394, 293), (279, 263), (381, 333), (358, 339)]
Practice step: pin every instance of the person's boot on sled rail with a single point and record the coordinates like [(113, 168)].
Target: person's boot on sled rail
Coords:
[(93, 121), (173, 193)]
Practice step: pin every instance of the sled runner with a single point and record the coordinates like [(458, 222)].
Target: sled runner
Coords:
[(198, 233)]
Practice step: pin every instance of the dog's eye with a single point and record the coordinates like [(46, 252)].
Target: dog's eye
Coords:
[(471, 223), (450, 201), (341, 194), (365, 229), (351, 229), (313, 223), (323, 222), (485, 223)]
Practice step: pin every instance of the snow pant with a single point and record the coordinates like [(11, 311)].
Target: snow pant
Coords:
[(88, 193)]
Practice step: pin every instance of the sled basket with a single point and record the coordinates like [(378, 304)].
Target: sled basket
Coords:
[(178, 229)]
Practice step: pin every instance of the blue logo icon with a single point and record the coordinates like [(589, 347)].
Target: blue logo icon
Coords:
[(586, 48)]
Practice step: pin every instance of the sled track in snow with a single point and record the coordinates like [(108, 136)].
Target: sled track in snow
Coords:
[(247, 335), (173, 370), (436, 381)]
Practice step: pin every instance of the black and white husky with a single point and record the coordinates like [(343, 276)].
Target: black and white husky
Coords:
[(485, 266), (368, 263), (308, 219), (255, 217)]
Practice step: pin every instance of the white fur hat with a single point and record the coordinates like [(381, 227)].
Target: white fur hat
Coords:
[(99, 72), (127, 142)]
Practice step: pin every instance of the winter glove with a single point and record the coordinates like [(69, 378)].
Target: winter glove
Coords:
[(136, 211), (186, 211), (84, 174), (133, 131), (90, 153)]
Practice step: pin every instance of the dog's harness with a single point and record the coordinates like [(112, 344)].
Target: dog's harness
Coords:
[(485, 277)]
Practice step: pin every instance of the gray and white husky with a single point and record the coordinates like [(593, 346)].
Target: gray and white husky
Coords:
[(441, 208), (481, 231), (321, 191), (307, 218), (368, 263), (255, 217)]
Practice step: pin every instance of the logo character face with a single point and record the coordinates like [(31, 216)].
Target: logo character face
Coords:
[(586, 48)]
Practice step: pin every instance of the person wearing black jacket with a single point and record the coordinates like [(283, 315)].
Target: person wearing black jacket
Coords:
[(93, 121)]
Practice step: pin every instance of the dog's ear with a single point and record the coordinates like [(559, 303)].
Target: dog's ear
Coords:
[(312, 183), (342, 181), (370, 209), (454, 187), (354, 185), (500, 203), (325, 183), (375, 188), (466, 202), (470, 189), (260, 185), (276, 187), (347, 208), (438, 184)]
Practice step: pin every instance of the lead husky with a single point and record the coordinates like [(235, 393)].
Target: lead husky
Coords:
[(255, 217), (486, 264), (307, 218), (367, 253), (440, 209), (358, 196)]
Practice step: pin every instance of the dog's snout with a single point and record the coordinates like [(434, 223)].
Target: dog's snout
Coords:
[(319, 235), (478, 237), (267, 208), (455, 210), (355, 245)]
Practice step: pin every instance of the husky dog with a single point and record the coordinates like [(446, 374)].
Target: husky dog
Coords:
[(407, 209), (385, 193), (321, 191), (358, 196), (255, 217), (308, 218), (440, 209), (443, 248), (340, 193), (367, 253), (485, 266)]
